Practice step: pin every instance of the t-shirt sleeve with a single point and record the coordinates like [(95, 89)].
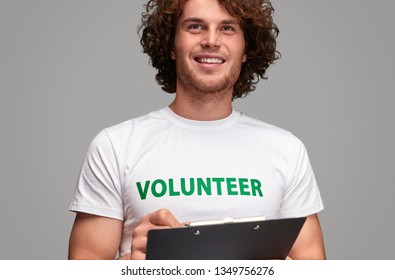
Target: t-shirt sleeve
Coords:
[(301, 196), (98, 189)]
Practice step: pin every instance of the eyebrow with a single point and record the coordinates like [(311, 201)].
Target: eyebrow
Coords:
[(200, 20)]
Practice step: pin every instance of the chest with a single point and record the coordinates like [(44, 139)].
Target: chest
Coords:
[(200, 177)]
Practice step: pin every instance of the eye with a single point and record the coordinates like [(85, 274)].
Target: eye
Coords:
[(196, 27), (228, 28)]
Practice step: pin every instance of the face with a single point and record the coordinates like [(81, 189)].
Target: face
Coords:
[(209, 48)]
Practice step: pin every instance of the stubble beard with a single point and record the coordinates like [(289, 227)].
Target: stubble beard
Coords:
[(200, 88)]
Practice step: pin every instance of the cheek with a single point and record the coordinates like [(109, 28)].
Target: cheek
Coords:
[(184, 46), (236, 48), (239, 53)]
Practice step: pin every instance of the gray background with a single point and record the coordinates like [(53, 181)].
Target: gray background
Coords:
[(70, 68)]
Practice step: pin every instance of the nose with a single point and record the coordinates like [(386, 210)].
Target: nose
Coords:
[(211, 39)]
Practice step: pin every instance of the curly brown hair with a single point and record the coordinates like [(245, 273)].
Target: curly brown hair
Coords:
[(158, 26)]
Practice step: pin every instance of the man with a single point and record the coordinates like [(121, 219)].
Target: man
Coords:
[(197, 159)]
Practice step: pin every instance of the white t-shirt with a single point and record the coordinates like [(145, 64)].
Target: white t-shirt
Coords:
[(199, 170)]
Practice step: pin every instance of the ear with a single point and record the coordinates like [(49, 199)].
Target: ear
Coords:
[(244, 58), (173, 51)]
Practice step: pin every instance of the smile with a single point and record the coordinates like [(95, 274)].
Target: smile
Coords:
[(209, 60)]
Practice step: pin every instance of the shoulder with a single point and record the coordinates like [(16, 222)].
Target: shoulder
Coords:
[(263, 129), (148, 121), (270, 135), (126, 130), (116, 138), (259, 125)]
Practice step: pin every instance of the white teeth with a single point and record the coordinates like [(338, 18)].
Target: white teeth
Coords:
[(210, 60)]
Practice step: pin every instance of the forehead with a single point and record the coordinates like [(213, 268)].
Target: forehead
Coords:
[(208, 10)]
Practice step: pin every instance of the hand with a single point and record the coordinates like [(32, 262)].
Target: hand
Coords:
[(159, 219)]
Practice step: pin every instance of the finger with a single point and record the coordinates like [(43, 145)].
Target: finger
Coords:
[(125, 257), (163, 217), (186, 224), (137, 255)]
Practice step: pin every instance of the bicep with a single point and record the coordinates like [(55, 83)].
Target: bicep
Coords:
[(94, 237), (310, 242)]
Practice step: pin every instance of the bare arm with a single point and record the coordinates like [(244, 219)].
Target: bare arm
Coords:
[(310, 243), (161, 218), (94, 237)]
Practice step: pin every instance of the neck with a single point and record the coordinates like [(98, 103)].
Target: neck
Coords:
[(202, 107)]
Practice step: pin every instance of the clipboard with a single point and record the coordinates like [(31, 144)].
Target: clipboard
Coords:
[(268, 239)]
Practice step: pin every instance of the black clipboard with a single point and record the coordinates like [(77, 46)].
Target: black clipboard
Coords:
[(269, 239)]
